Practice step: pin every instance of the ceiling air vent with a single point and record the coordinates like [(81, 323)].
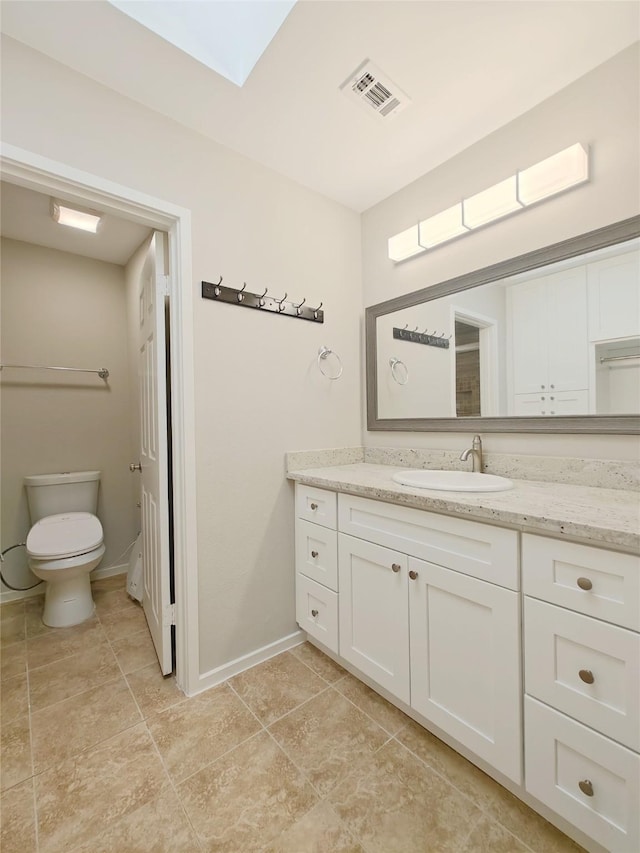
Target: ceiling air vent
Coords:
[(375, 91)]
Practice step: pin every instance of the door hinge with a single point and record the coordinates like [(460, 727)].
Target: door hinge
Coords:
[(169, 615), (164, 287)]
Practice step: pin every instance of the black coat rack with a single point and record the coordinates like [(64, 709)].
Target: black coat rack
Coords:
[(244, 298)]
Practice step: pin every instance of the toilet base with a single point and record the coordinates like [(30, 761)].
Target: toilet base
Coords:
[(68, 602)]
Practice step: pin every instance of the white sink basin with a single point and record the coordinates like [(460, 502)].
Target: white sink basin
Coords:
[(453, 481)]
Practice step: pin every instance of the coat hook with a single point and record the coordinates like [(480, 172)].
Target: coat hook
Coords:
[(299, 307), (416, 329), (280, 301), (261, 298), (240, 293), (315, 311), (450, 336), (406, 326), (216, 288)]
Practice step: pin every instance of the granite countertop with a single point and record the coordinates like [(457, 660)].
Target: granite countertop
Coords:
[(593, 516)]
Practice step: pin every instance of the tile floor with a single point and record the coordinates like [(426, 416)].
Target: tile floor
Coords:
[(100, 754)]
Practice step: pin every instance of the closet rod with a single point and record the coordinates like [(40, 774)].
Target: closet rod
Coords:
[(617, 358), (103, 373)]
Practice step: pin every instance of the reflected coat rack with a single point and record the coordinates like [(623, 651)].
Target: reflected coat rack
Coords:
[(244, 298), (417, 337)]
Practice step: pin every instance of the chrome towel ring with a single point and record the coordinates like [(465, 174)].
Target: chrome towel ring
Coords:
[(323, 355), (399, 371)]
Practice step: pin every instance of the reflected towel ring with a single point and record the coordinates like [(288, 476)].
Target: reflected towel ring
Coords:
[(398, 370), (323, 355)]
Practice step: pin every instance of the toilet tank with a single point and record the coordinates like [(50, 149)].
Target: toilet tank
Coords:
[(49, 494)]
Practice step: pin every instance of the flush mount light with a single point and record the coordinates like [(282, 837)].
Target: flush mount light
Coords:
[(75, 217), (562, 171)]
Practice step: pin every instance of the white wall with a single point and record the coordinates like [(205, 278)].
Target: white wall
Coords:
[(258, 390), (601, 110), (63, 309)]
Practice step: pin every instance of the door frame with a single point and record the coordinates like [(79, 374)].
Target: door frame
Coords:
[(488, 357), (44, 175)]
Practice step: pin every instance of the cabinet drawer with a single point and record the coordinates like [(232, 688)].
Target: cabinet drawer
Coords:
[(590, 580), (560, 754), (317, 505), (480, 550), (584, 667), (317, 553), (317, 611)]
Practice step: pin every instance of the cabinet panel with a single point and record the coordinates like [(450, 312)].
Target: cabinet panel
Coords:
[(614, 297), (317, 611), (567, 339), (560, 754), (374, 620), (486, 552), (317, 553), (586, 668), (465, 662), (550, 403), (316, 505), (527, 311), (590, 580)]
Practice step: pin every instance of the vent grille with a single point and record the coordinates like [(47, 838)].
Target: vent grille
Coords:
[(375, 91)]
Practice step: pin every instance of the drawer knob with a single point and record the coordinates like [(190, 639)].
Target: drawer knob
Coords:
[(314, 554), (314, 506), (586, 787), (395, 567), (413, 575), (584, 583), (314, 613), (587, 676)]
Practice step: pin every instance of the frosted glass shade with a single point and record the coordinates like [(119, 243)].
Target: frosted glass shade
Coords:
[(499, 200), (441, 227), (553, 175), (84, 220), (405, 244)]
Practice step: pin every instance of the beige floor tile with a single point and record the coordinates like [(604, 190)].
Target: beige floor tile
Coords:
[(319, 831), (401, 806), (18, 820), (13, 660), (158, 826), (68, 677), (384, 713), (87, 719), (318, 662), (195, 732), (152, 691), (508, 810), (121, 623), (277, 686), (14, 699), (246, 798), (12, 628), (489, 837), (110, 583), (15, 753), (63, 642), (135, 651), (12, 609), (84, 796), (112, 600), (328, 738), (34, 608)]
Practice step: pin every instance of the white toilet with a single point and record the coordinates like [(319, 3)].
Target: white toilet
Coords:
[(65, 542)]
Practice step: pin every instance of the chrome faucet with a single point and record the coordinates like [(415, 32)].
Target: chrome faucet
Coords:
[(475, 451)]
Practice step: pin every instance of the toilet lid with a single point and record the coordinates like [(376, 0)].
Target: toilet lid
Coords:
[(68, 534)]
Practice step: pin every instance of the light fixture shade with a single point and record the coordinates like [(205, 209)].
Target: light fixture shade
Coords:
[(553, 175), (405, 244), (441, 227), (85, 220), (499, 200)]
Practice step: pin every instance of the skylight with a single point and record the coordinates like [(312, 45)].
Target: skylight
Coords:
[(228, 36)]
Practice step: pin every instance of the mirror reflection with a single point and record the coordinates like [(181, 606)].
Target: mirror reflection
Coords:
[(555, 341)]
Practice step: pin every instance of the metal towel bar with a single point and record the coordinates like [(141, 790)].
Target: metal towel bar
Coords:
[(102, 372)]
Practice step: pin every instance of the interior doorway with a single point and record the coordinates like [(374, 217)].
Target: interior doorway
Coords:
[(475, 364)]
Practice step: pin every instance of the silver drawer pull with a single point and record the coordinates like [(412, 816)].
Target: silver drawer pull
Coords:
[(313, 506), (413, 575), (314, 554), (314, 613), (584, 583), (395, 567), (587, 676), (586, 787)]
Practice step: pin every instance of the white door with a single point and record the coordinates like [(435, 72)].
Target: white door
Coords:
[(152, 389)]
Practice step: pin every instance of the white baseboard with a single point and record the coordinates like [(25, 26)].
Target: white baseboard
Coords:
[(228, 670), (96, 574)]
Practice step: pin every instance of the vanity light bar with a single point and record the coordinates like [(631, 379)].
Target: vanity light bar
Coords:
[(562, 171)]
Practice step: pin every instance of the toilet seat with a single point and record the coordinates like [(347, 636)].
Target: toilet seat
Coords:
[(64, 536)]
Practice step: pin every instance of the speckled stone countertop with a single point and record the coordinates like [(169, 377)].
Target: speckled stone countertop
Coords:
[(593, 516)]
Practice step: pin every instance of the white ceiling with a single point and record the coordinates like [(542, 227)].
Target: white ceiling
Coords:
[(469, 67)]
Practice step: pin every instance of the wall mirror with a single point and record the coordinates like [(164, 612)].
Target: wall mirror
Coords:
[(544, 342)]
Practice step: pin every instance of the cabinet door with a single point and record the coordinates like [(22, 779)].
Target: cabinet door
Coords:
[(465, 662), (373, 617), (614, 297), (527, 329), (567, 344)]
